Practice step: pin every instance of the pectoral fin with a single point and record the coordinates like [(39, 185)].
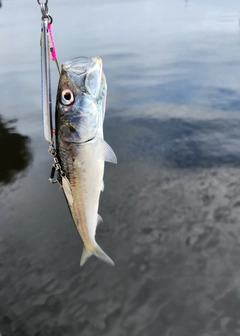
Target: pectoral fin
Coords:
[(106, 152)]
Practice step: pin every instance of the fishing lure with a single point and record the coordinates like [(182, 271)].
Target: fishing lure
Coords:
[(48, 47)]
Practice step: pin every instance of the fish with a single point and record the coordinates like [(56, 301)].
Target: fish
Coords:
[(80, 145)]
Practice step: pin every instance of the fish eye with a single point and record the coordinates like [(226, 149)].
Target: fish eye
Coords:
[(67, 97)]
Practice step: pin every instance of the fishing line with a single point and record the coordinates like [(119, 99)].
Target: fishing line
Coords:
[(53, 49)]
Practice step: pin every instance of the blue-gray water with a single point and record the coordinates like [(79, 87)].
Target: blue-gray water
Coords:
[(171, 207)]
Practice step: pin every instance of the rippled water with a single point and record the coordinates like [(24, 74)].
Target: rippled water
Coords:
[(171, 206)]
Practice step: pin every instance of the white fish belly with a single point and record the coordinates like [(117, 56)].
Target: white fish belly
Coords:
[(86, 183)]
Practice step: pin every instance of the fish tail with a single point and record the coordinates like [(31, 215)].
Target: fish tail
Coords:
[(98, 252)]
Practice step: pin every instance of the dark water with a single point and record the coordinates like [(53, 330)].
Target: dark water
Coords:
[(171, 206)]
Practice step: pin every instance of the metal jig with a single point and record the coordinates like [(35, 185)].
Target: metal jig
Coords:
[(46, 90)]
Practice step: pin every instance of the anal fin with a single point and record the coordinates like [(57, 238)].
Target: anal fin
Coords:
[(99, 220)]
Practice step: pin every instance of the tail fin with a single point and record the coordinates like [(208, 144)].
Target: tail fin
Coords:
[(98, 252)]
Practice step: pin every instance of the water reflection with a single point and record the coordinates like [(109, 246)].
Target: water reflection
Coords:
[(14, 149), (6, 324), (181, 137), (190, 143)]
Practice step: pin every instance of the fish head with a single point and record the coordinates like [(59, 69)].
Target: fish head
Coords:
[(81, 98)]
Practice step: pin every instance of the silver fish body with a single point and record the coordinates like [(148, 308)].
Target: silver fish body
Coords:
[(81, 149)]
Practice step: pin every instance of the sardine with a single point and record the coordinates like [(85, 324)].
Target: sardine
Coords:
[(81, 149)]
